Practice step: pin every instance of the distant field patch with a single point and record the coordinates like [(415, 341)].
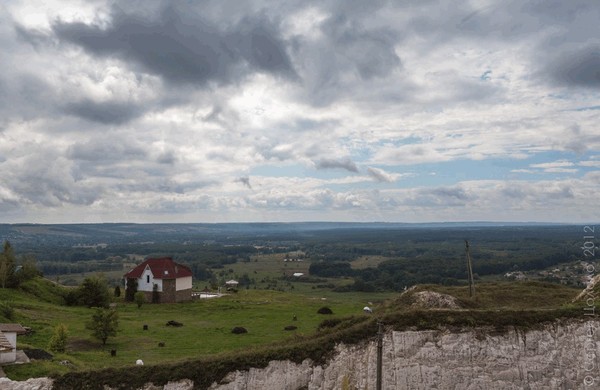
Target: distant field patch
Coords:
[(367, 262)]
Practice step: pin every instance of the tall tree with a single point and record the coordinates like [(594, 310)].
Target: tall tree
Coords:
[(7, 265), (130, 290), (28, 270), (94, 292), (155, 294), (117, 291), (103, 324)]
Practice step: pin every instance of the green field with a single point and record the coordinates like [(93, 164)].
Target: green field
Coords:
[(206, 330)]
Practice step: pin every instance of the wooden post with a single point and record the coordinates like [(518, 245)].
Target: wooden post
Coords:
[(470, 271), (379, 355)]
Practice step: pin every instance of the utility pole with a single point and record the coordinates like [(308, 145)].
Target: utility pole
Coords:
[(470, 271), (379, 354)]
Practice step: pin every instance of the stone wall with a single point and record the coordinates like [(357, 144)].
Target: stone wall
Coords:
[(184, 295), (168, 294)]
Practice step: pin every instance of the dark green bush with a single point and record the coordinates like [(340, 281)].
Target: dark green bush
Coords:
[(324, 310), (7, 311)]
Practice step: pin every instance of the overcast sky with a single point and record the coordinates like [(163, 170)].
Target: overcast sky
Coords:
[(214, 111)]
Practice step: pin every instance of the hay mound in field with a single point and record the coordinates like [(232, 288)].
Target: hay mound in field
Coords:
[(434, 300)]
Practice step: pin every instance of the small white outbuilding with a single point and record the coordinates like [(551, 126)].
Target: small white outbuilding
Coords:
[(8, 342), (232, 283)]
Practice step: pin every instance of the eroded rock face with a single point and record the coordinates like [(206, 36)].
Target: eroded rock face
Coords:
[(30, 384), (561, 356), (281, 375)]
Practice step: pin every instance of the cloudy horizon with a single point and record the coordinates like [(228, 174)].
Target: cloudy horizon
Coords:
[(337, 110)]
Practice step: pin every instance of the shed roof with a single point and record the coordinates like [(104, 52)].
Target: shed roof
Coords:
[(161, 268), (16, 328)]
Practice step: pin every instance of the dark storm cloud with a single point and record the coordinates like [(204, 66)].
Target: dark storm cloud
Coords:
[(184, 47), (46, 179), (346, 164), (35, 38), (566, 50), (370, 51), (450, 193), (245, 180), (379, 175), (579, 68), (25, 96), (350, 56), (167, 158), (105, 150), (108, 113)]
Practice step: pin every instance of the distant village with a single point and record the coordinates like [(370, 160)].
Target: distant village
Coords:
[(571, 274)]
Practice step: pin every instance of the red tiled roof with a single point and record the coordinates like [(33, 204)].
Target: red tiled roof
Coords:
[(162, 268)]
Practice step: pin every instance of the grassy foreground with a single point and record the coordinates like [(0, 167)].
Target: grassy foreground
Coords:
[(206, 329), (204, 349)]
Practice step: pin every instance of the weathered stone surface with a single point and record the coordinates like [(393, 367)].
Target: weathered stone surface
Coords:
[(30, 384), (281, 375), (559, 356)]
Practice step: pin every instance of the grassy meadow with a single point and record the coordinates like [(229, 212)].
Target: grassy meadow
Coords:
[(206, 330)]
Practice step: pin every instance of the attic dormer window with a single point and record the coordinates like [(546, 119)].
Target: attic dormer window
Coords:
[(166, 272)]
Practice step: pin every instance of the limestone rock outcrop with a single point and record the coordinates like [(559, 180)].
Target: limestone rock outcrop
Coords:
[(557, 356)]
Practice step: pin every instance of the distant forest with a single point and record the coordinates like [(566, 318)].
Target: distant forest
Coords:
[(412, 253)]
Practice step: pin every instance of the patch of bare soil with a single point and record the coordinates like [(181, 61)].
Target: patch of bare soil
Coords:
[(37, 354), (82, 345)]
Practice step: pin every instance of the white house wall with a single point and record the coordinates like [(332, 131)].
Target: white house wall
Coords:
[(184, 283), (147, 281), (12, 338), (9, 356)]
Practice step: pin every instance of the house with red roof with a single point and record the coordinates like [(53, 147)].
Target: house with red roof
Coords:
[(173, 281)]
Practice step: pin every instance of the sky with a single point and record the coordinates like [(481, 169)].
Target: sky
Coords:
[(331, 110)]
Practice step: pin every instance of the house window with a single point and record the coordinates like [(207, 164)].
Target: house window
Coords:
[(147, 278)]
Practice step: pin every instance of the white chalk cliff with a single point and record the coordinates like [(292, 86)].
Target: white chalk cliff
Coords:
[(562, 355), (558, 356)]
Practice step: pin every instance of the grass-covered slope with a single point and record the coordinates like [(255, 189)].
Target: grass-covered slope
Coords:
[(205, 350)]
